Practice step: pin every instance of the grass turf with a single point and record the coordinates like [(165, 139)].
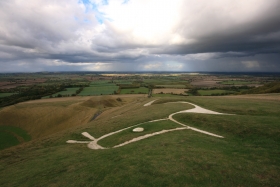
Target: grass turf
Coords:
[(172, 86), (7, 140), (142, 90), (210, 92), (69, 91), (128, 134), (11, 136), (247, 156), (99, 90)]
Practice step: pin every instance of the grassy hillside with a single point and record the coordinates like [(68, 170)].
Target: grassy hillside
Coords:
[(11, 136), (247, 156), (273, 87), (44, 119), (41, 119)]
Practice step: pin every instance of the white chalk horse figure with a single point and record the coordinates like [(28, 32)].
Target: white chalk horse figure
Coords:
[(93, 143)]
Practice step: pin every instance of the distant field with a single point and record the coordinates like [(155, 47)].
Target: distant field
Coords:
[(210, 92), (99, 90), (55, 82), (102, 85), (170, 90), (47, 83), (10, 86), (204, 83), (230, 82), (69, 91), (164, 95), (6, 94), (172, 86), (165, 81), (122, 82), (101, 82), (142, 90)]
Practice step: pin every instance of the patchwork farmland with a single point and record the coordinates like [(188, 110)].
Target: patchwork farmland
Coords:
[(88, 139)]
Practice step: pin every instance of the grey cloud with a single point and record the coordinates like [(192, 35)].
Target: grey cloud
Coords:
[(222, 34), (38, 32)]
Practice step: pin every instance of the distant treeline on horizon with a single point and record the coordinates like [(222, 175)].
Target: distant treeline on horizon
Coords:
[(145, 72)]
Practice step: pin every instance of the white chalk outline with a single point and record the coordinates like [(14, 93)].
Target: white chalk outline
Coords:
[(197, 109)]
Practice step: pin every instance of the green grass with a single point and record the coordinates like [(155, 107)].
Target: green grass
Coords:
[(49, 83), (273, 87), (172, 86), (210, 92), (240, 106), (247, 156), (11, 136), (6, 94), (101, 82), (163, 81), (132, 115), (164, 95), (232, 82), (167, 100), (122, 82), (142, 90), (99, 90), (69, 91), (7, 140), (251, 145), (128, 134), (102, 85)]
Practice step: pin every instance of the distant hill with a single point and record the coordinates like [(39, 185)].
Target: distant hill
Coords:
[(273, 87)]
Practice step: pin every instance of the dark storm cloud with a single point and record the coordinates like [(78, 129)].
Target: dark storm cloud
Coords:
[(200, 35), (255, 36)]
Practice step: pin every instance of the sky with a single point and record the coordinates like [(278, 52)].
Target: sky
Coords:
[(140, 35)]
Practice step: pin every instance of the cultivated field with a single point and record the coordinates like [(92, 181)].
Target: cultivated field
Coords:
[(238, 82), (99, 89), (205, 83), (211, 92), (141, 90), (67, 92), (171, 86), (20, 82)]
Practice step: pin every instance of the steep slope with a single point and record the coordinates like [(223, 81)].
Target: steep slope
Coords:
[(273, 87), (43, 119)]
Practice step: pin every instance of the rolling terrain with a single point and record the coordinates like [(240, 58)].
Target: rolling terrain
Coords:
[(248, 155)]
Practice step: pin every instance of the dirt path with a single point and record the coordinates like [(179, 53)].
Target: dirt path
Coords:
[(197, 109)]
